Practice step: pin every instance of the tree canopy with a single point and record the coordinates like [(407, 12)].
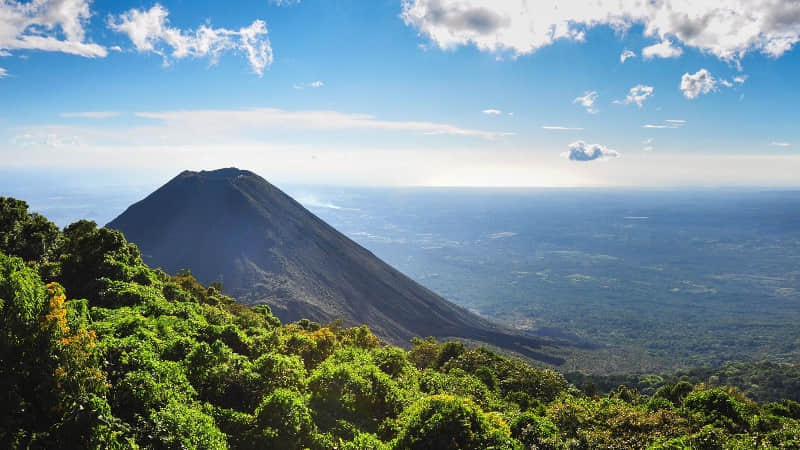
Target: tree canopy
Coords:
[(97, 350)]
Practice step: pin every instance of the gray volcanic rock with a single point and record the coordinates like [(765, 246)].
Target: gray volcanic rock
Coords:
[(233, 226)]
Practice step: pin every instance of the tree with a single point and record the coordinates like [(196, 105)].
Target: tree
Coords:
[(443, 422), (30, 236), (92, 253), (284, 421)]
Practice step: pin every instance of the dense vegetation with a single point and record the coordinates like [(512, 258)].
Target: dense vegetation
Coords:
[(762, 381), (99, 351)]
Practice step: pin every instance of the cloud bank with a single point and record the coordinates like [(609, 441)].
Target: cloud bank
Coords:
[(727, 29), (47, 25)]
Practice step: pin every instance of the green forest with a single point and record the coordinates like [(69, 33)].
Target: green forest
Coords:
[(100, 351)]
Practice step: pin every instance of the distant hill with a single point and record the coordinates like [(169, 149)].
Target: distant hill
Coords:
[(233, 226)]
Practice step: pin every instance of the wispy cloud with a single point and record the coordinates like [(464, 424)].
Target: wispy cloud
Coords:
[(626, 55), (91, 114), (559, 128), (780, 144), (150, 32), (648, 144), (492, 112), (587, 101), (261, 118), (3, 72), (669, 123), (313, 84)]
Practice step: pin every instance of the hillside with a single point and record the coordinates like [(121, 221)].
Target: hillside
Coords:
[(234, 227)]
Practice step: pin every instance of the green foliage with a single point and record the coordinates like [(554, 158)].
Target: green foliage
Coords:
[(92, 253), (717, 407), (30, 236), (447, 422), (181, 426), (534, 431), (355, 391), (284, 420), (142, 359)]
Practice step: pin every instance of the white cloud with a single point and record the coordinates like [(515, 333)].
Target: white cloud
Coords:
[(663, 49), (637, 94), (492, 112), (699, 83), (738, 79), (727, 29), (284, 2), (3, 72), (670, 123), (263, 118), (581, 151), (313, 84), (91, 114), (648, 145), (45, 138), (149, 31), (627, 54), (587, 101), (47, 25), (4, 53), (780, 144), (559, 128), (702, 82)]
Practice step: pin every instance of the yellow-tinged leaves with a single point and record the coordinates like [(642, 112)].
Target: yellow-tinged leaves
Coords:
[(57, 313)]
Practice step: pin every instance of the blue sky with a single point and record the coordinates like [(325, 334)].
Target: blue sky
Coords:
[(416, 92)]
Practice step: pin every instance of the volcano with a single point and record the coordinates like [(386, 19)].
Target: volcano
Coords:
[(233, 226)]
